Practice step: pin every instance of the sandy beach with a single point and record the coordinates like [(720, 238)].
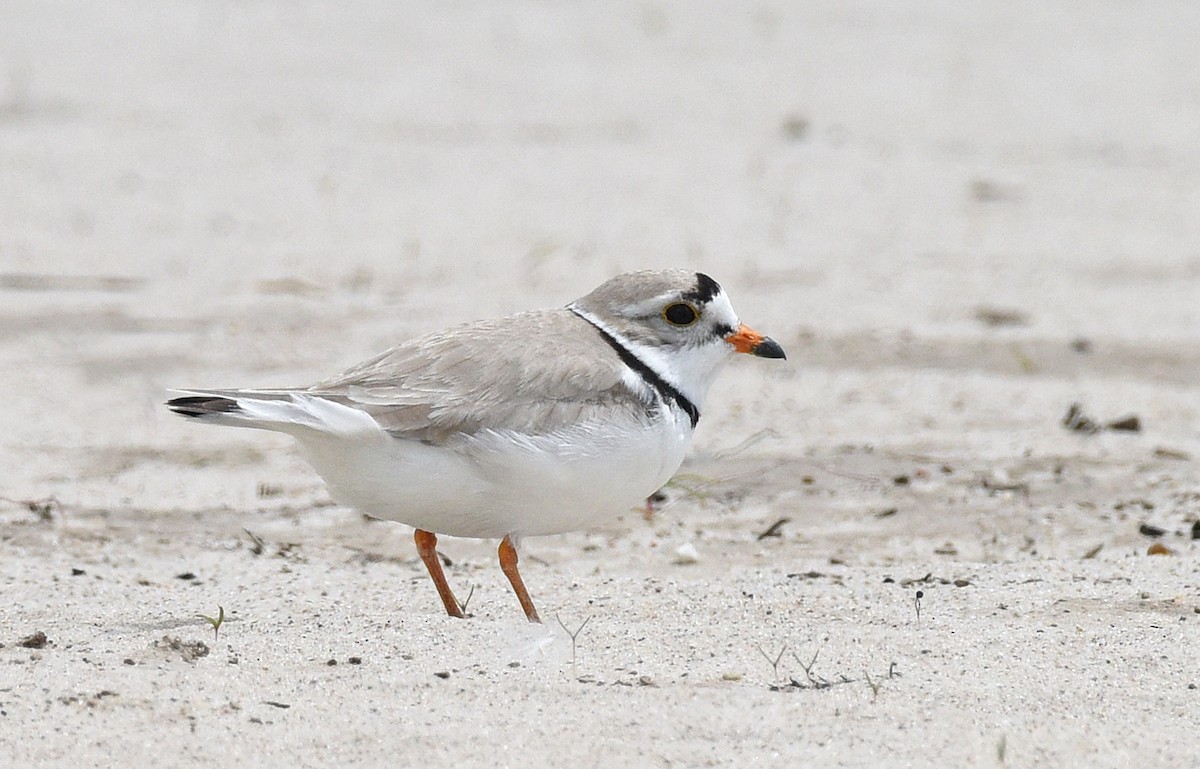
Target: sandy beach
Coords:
[(959, 220)]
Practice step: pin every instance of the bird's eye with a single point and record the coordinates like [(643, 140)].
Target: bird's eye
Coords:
[(680, 314)]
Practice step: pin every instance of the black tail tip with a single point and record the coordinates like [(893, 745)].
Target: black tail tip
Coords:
[(202, 405)]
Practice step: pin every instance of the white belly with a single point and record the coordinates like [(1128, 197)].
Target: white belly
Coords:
[(495, 484)]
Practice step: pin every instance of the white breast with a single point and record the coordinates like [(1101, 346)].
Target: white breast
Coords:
[(496, 483)]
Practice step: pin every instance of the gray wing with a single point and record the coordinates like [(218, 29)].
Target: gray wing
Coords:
[(532, 373)]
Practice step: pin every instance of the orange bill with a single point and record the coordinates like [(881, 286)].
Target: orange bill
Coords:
[(746, 339)]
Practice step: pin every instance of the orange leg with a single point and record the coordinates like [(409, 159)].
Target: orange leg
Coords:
[(427, 549), (508, 564)]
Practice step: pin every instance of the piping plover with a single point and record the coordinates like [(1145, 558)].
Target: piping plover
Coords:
[(538, 423)]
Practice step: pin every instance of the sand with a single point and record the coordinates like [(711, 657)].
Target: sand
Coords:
[(958, 219)]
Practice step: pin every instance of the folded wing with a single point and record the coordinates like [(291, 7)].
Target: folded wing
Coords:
[(532, 373)]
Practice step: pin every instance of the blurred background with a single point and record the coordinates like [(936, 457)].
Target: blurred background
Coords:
[(848, 160)]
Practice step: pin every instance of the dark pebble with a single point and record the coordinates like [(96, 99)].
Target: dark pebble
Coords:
[(1129, 424), (36, 641)]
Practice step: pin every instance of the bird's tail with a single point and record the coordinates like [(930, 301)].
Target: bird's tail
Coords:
[(288, 411)]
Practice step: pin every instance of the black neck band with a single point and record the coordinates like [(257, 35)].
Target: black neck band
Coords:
[(667, 391)]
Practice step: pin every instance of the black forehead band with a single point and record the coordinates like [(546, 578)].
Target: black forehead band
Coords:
[(706, 288)]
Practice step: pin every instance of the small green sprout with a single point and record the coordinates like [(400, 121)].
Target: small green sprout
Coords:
[(874, 686), (217, 622), (574, 636)]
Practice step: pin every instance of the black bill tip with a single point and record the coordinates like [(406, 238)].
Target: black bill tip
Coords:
[(768, 348)]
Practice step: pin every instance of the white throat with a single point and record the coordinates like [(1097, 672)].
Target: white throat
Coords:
[(690, 370)]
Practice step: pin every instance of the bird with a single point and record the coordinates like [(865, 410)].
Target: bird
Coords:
[(537, 423)]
